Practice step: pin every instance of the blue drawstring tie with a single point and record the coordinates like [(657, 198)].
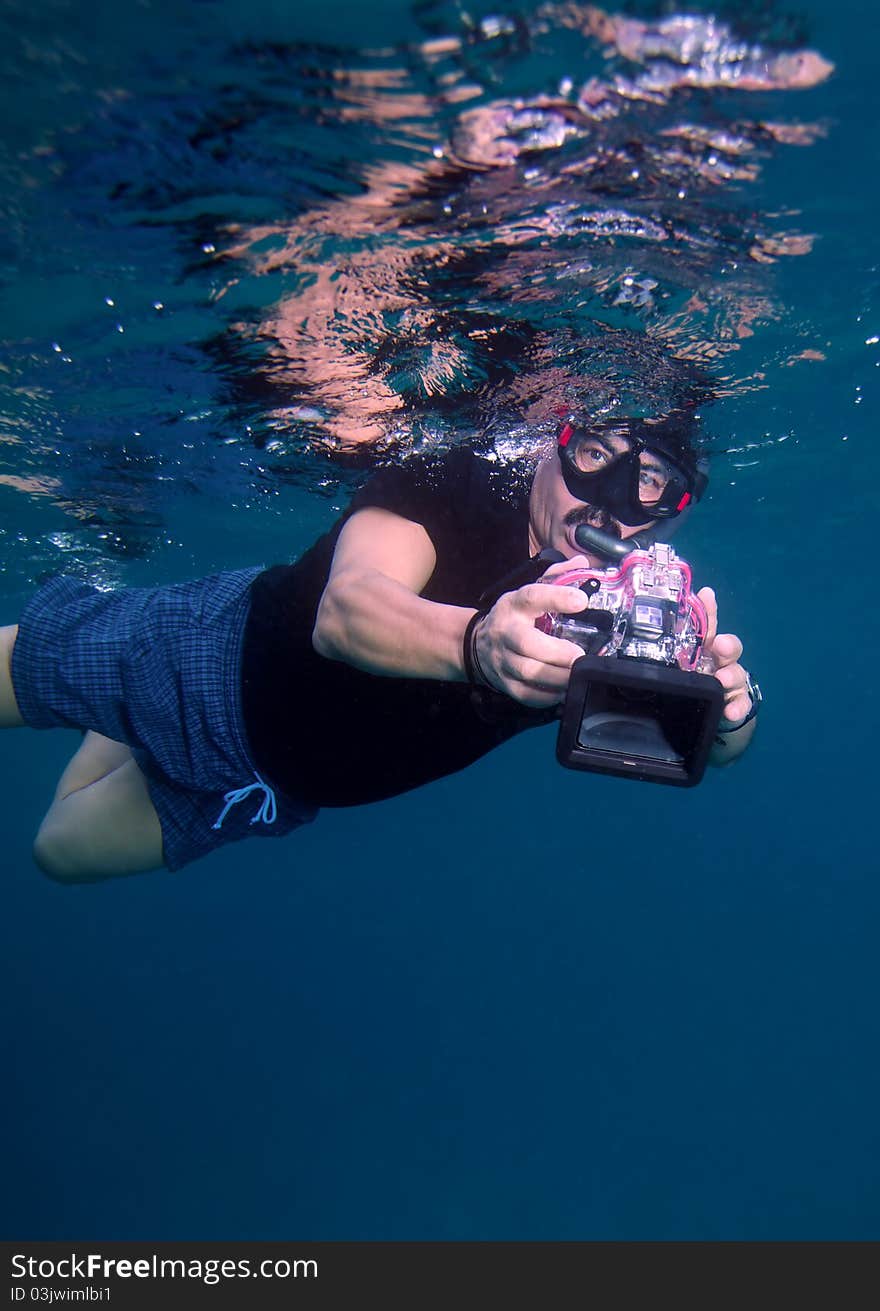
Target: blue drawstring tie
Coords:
[(267, 811)]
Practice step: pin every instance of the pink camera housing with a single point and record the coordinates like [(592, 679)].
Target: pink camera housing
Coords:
[(654, 613)]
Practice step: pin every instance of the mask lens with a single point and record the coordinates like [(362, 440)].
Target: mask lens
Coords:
[(656, 475), (591, 454)]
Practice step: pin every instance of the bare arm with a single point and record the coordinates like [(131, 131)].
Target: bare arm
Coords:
[(729, 745), (372, 616)]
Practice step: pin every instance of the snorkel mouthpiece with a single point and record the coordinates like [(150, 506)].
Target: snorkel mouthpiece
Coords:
[(595, 542)]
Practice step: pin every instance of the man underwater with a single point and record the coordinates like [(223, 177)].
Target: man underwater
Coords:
[(242, 703)]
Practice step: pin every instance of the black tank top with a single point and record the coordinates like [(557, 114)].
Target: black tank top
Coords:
[(337, 736)]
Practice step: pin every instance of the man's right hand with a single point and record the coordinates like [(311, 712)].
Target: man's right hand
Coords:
[(515, 656)]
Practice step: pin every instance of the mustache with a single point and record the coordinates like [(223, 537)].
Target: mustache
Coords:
[(594, 516)]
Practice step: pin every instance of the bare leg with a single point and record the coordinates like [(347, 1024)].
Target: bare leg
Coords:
[(102, 823), (97, 757), (9, 715)]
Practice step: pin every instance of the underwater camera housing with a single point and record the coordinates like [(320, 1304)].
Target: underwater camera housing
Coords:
[(641, 709)]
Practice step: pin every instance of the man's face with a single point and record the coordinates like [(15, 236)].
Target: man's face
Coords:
[(554, 514)]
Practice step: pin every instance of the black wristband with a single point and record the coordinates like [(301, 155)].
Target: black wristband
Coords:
[(469, 658)]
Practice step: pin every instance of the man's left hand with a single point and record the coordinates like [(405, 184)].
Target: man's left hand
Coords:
[(724, 650)]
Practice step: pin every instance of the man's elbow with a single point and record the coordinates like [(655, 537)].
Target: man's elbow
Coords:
[(323, 632), (332, 622)]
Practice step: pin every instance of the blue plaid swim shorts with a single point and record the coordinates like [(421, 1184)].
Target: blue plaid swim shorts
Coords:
[(158, 668)]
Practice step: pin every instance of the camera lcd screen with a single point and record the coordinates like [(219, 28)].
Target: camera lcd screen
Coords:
[(653, 725), (639, 720)]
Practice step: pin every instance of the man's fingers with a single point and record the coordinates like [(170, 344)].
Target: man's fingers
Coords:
[(732, 678), (726, 649), (707, 596), (737, 701), (540, 647), (541, 598), (538, 682), (738, 708), (540, 673)]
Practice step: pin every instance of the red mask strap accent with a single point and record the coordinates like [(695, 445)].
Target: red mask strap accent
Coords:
[(683, 502), (566, 435)]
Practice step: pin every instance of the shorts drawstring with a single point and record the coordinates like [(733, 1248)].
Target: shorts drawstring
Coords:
[(267, 811)]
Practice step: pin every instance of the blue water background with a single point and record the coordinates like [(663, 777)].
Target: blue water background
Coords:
[(520, 1003)]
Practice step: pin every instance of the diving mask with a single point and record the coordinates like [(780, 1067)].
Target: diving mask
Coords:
[(638, 473)]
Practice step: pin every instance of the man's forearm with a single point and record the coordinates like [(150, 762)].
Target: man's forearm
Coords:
[(728, 746), (374, 623)]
